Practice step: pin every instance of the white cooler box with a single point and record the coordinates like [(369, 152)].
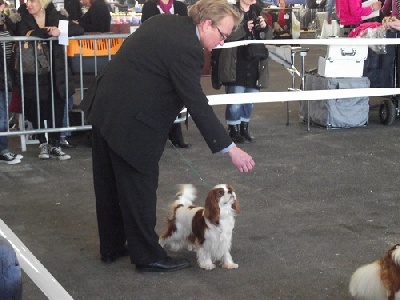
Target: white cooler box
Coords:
[(336, 113), (343, 61)]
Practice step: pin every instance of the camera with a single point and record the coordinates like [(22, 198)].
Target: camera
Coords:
[(256, 23)]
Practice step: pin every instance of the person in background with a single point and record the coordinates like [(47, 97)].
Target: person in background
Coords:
[(392, 24), (278, 21), (74, 9), (5, 49), (164, 56), (97, 18), (41, 18), (240, 74), (64, 143), (10, 272), (350, 12), (330, 8), (156, 7), (390, 9), (175, 7), (282, 19)]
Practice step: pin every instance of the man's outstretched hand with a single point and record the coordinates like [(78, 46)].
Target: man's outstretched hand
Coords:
[(242, 161)]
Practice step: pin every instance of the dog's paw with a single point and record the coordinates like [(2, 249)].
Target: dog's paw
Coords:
[(230, 266), (191, 248), (207, 266), (162, 242)]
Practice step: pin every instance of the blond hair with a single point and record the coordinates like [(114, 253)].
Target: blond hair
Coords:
[(44, 3), (214, 10)]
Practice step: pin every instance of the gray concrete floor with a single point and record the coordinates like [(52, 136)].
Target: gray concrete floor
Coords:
[(318, 205)]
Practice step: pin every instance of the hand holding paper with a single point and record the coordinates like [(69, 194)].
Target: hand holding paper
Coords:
[(376, 6)]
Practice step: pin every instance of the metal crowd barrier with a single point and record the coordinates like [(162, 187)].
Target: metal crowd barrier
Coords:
[(85, 56), (103, 44)]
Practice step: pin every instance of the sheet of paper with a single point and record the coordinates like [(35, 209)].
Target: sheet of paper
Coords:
[(63, 27), (373, 14)]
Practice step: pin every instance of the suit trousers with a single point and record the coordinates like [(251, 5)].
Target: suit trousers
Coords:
[(125, 204)]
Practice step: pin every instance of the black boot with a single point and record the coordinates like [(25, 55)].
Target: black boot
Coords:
[(176, 137), (235, 134), (244, 131)]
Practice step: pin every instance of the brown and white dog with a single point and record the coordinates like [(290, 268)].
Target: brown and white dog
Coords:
[(379, 280), (206, 230)]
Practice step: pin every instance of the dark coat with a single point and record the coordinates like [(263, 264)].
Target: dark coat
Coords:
[(143, 88), (150, 9), (28, 23), (74, 9), (232, 67), (97, 18)]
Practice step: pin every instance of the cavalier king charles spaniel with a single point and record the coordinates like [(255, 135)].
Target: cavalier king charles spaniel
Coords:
[(379, 280), (206, 230)]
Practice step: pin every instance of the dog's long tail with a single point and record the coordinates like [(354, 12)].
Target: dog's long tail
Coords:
[(366, 283), (186, 195)]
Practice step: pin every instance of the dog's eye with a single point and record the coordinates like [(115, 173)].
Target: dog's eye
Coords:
[(220, 193)]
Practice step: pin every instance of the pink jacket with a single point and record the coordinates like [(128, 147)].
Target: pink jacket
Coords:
[(350, 11)]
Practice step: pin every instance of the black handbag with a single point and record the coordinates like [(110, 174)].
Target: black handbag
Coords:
[(30, 57), (256, 52)]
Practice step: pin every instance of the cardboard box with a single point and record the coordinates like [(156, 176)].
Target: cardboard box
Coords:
[(340, 67)]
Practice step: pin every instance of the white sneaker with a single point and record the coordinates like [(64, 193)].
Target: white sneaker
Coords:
[(19, 156), (57, 153), (44, 151), (9, 158)]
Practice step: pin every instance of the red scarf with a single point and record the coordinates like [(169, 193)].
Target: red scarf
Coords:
[(166, 7)]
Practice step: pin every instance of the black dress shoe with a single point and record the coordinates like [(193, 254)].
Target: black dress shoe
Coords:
[(167, 264), (65, 144), (181, 144), (109, 258)]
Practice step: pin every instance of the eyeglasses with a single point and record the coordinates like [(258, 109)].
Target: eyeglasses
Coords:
[(223, 35)]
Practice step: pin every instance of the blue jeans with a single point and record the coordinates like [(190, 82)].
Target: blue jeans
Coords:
[(3, 121), (237, 113), (10, 272)]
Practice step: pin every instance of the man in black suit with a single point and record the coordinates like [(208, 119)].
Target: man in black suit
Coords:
[(132, 106)]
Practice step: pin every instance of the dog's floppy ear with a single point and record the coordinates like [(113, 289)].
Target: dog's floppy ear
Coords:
[(236, 207), (211, 207)]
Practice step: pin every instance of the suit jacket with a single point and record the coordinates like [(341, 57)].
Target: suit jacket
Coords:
[(150, 9), (143, 88)]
